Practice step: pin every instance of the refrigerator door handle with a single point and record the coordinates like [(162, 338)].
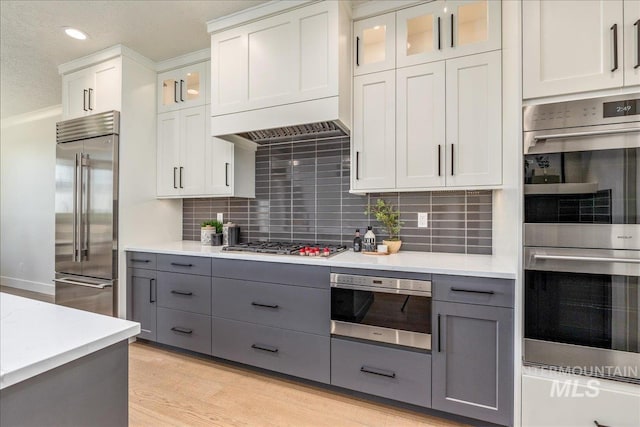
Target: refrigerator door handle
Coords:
[(88, 285), (74, 254), (84, 208)]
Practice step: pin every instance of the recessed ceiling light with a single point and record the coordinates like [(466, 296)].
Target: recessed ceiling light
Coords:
[(75, 33)]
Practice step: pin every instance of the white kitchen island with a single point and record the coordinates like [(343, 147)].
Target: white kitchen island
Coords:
[(62, 366)]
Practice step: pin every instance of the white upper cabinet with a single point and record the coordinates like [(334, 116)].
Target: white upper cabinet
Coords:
[(632, 43), (182, 88), (219, 176), (374, 134), (474, 124), (374, 48), (420, 126), (440, 30), (571, 46), (283, 59), (92, 90)]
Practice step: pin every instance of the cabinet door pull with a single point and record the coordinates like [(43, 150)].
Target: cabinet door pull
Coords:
[(376, 371), (268, 348), (439, 162), (84, 99), (614, 28), (139, 260), (151, 289), (439, 44), (452, 160), (452, 30), (357, 165), (439, 332), (90, 107), (181, 90), (175, 91), (181, 177), (181, 293), (598, 424), (637, 25), (179, 264), (226, 174), (472, 291), (257, 304), (357, 51), (182, 330), (174, 177)]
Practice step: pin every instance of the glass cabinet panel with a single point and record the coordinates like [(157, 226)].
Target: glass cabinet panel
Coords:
[(169, 92), (375, 44), (193, 89), (419, 35), (473, 23)]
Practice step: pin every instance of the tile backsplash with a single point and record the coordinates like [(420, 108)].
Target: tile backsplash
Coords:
[(302, 194)]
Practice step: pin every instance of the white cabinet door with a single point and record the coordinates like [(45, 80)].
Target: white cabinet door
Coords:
[(75, 88), (168, 146), (191, 170), (420, 126), (420, 34), (568, 46), (472, 26), (106, 92), (374, 134), (474, 120), (374, 44), (219, 167), (631, 42), (182, 88)]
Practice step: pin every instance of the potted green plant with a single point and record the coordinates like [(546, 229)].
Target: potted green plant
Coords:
[(211, 233), (390, 220)]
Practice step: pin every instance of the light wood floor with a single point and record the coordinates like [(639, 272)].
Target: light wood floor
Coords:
[(169, 388)]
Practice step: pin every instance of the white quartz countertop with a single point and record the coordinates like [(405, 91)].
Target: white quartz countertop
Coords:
[(36, 336), (407, 261)]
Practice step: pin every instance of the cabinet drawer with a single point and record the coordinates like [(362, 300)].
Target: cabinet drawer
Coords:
[(185, 264), (294, 353), (273, 272), (473, 290), (290, 307), (185, 292), (141, 260), (382, 371), (185, 330)]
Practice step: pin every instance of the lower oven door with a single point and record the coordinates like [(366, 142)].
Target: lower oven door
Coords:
[(582, 310), (376, 314)]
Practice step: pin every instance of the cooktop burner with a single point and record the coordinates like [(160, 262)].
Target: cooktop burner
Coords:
[(288, 248)]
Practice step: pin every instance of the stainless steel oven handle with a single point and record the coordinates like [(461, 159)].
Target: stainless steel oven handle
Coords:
[(585, 258), (383, 290), (88, 285), (581, 134)]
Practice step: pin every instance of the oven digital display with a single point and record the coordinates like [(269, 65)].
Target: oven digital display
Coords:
[(629, 107)]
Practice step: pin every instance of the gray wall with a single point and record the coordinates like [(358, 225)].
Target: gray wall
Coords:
[(302, 194)]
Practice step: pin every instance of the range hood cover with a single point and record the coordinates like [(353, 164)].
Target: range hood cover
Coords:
[(326, 129)]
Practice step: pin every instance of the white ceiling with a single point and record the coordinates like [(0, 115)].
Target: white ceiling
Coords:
[(33, 44)]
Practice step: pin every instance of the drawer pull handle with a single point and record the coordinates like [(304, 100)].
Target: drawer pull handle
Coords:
[(598, 424), (472, 291), (179, 264), (181, 293), (139, 260), (182, 330), (380, 372), (268, 348), (257, 304)]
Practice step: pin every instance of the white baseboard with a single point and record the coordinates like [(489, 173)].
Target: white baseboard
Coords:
[(27, 285)]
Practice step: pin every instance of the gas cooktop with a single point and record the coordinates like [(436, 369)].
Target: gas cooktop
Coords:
[(287, 248)]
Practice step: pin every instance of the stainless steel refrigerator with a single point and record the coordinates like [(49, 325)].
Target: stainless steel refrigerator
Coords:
[(86, 275)]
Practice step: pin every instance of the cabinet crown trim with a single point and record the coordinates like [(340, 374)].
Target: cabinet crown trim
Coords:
[(255, 13), (103, 55), (191, 58)]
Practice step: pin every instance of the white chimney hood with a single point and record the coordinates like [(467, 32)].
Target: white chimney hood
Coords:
[(282, 74)]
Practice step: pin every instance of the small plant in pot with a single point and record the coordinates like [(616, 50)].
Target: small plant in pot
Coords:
[(211, 233), (390, 220)]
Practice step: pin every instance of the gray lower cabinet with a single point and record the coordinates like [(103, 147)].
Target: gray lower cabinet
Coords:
[(397, 374), (472, 361), (187, 292), (142, 300), (293, 353), (185, 330)]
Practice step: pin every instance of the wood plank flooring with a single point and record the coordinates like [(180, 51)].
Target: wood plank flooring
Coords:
[(170, 388)]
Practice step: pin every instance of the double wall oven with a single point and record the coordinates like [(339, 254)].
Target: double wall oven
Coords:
[(582, 236)]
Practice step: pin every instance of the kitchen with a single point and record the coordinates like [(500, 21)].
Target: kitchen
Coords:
[(464, 143)]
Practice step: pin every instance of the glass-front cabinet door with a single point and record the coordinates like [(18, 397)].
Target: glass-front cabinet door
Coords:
[(182, 88), (472, 26), (420, 34), (374, 48)]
